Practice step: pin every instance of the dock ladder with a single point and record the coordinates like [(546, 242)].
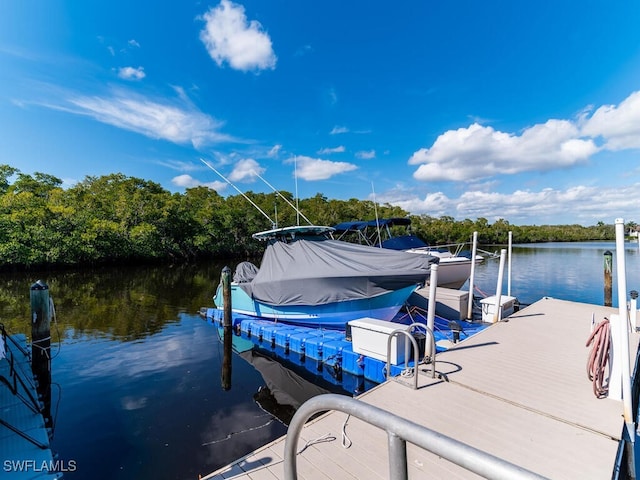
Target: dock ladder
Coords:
[(406, 332)]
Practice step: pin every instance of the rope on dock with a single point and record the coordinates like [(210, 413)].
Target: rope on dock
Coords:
[(600, 338)]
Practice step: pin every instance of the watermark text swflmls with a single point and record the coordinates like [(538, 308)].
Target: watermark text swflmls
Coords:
[(52, 466)]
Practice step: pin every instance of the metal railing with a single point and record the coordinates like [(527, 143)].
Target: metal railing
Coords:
[(409, 337), (399, 431)]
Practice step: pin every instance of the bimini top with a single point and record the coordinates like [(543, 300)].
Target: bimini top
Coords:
[(296, 231), (317, 271), (361, 225)]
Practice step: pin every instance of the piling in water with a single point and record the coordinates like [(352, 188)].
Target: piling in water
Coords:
[(608, 268), (41, 344), (227, 323)]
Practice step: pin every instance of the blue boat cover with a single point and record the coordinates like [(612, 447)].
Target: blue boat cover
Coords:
[(404, 242), (361, 225)]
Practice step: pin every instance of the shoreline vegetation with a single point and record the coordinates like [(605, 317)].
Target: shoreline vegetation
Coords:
[(115, 219)]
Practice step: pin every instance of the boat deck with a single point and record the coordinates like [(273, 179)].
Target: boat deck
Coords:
[(518, 390)]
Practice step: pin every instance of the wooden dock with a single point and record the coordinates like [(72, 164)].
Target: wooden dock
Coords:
[(518, 390)]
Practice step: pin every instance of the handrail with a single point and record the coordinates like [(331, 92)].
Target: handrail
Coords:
[(407, 333), (393, 334), (399, 431)]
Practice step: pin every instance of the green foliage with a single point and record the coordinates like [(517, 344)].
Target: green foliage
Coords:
[(116, 219)]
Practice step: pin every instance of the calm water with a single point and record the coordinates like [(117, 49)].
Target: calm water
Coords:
[(568, 271), (138, 389)]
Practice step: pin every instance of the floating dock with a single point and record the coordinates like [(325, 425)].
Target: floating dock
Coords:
[(517, 390), (332, 352), (25, 449)]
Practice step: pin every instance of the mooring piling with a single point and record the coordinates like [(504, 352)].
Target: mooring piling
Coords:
[(608, 269), (41, 344), (227, 326)]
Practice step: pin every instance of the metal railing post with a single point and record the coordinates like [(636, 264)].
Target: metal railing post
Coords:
[(397, 457), (459, 453)]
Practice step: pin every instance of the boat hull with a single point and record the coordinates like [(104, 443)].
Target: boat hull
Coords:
[(331, 315), (454, 272)]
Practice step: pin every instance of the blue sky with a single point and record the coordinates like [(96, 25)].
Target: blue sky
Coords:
[(527, 111)]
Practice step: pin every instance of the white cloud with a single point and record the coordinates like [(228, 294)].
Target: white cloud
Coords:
[(133, 43), (310, 169), (274, 151), (131, 73), (230, 38), (619, 126), (179, 122), (303, 50), (187, 181), (328, 151), (245, 170), (579, 204), (479, 152), (366, 154), (338, 130)]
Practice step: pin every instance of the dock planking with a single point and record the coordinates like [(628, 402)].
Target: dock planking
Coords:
[(518, 390)]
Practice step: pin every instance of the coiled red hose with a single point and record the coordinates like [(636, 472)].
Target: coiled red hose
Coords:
[(599, 357)]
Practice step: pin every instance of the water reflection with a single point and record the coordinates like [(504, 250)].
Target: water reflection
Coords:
[(140, 370), (118, 303)]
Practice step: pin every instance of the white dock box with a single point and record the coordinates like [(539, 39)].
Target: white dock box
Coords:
[(370, 336), (450, 303), (507, 306)]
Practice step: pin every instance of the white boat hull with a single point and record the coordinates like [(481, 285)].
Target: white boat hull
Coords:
[(453, 271)]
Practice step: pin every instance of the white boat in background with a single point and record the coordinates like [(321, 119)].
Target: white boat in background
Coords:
[(454, 267)]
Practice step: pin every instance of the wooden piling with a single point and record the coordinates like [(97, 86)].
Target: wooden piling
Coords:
[(41, 344), (227, 325), (608, 268)]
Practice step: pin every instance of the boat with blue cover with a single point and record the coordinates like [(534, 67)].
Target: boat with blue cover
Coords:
[(307, 278)]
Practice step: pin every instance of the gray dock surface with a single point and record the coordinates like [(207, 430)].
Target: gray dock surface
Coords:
[(27, 454), (518, 390)]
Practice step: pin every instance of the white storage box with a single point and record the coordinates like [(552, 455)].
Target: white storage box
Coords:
[(450, 303), (507, 306), (370, 336)]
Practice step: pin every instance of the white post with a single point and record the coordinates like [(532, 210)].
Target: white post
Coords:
[(633, 309), (431, 307), (509, 265), (623, 330), (474, 250), (615, 370), (497, 314)]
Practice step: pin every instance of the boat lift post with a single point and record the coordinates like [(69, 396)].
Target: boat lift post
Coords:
[(431, 306), (474, 249), (621, 343), (498, 310), (509, 264)]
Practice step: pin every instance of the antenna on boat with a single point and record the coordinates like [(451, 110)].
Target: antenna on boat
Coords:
[(295, 174), (375, 209), (275, 224), (282, 196)]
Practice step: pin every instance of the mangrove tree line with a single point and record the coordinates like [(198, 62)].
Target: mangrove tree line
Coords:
[(115, 218)]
